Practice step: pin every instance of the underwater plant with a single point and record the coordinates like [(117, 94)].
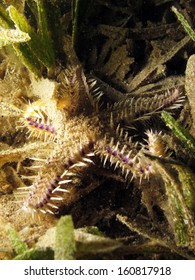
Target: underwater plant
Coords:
[(66, 134)]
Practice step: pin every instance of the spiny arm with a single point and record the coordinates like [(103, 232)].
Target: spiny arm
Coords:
[(139, 108)]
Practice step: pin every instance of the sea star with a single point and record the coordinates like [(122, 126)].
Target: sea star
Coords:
[(92, 136)]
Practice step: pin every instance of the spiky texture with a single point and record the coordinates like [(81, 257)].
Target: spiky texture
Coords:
[(139, 108), (68, 90), (74, 91), (61, 170), (156, 144), (125, 157), (35, 120), (91, 136)]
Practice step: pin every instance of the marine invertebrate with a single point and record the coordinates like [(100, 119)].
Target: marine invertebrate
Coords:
[(91, 139), (37, 122), (74, 144)]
